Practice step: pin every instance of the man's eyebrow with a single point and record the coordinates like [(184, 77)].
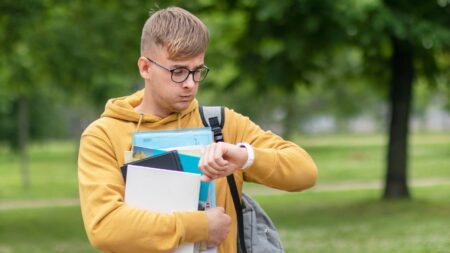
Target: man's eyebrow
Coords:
[(186, 67)]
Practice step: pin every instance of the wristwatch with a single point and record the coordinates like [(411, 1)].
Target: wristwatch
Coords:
[(250, 154)]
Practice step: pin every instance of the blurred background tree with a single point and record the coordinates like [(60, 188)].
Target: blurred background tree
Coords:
[(19, 21), (404, 41)]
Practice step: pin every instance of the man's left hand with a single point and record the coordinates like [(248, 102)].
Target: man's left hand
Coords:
[(221, 159)]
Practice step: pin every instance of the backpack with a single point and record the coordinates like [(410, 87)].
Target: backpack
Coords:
[(256, 231)]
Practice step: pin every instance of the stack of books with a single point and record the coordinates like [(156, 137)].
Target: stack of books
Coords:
[(162, 175)]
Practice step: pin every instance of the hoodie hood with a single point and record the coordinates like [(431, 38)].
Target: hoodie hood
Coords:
[(122, 108)]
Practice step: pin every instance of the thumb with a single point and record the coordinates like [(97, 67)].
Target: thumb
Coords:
[(205, 178)]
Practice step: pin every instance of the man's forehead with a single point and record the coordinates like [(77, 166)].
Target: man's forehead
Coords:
[(196, 61)]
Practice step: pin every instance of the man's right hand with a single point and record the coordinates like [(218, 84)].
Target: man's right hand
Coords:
[(218, 225)]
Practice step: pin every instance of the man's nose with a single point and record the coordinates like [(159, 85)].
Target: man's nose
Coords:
[(189, 82)]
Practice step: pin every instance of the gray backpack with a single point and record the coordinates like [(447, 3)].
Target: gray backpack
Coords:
[(256, 232)]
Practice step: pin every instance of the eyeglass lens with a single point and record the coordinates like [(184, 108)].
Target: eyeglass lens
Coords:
[(181, 74)]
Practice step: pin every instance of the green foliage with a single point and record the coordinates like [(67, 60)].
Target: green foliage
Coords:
[(59, 54), (259, 51), (87, 48), (19, 80), (47, 117), (341, 46), (424, 25), (282, 41)]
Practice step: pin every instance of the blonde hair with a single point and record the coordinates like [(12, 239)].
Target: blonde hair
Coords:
[(181, 33)]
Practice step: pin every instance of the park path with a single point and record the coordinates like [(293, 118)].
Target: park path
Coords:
[(252, 190)]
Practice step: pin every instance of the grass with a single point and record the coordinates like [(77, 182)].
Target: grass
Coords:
[(358, 221), (43, 230), (312, 221), (53, 172), (362, 157), (345, 221)]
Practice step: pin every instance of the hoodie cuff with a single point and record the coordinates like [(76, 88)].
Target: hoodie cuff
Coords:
[(195, 226)]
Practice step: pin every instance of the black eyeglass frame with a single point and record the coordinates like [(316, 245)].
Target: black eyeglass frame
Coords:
[(189, 71)]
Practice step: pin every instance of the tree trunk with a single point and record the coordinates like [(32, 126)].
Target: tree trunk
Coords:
[(23, 136), (396, 186)]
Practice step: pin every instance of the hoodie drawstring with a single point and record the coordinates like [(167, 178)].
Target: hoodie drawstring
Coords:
[(178, 120), (141, 116)]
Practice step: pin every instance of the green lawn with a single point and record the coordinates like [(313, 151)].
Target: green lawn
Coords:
[(362, 157), (357, 221), (312, 221), (345, 221), (43, 230), (53, 172)]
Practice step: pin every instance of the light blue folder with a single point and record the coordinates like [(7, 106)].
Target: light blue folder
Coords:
[(163, 139)]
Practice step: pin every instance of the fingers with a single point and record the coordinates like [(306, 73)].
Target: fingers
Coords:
[(212, 163), (218, 225), (214, 155)]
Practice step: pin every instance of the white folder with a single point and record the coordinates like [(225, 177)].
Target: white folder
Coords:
[(161, 190)]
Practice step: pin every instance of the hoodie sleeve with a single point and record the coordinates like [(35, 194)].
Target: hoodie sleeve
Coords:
[(278, 163), (110, 224)]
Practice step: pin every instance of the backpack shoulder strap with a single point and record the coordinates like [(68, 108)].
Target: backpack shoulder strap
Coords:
[(207, 112), (214, 117)]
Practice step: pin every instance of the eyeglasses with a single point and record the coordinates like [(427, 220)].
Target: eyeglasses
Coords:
[(180, 75)]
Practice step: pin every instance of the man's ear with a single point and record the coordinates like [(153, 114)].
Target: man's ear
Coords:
[(143, 65)]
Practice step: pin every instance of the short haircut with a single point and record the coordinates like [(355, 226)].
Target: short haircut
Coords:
[(181, 33)]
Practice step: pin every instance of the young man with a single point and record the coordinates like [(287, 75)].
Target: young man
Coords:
[(173, 47)]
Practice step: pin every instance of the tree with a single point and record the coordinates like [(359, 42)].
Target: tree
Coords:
[(61, 52), (415, 35), (285, 43), (17, 73)]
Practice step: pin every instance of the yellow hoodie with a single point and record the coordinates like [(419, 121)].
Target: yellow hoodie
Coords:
[(112, 226)]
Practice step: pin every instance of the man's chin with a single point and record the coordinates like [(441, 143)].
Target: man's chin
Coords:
[(181, 106)]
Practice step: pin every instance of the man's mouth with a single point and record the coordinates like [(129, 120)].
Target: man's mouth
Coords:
[(186, 98)]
